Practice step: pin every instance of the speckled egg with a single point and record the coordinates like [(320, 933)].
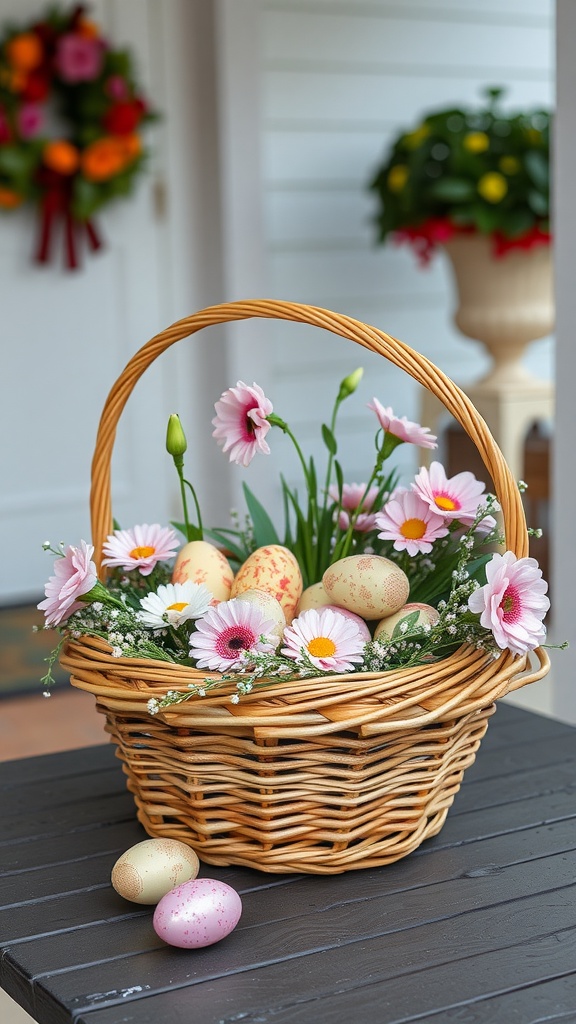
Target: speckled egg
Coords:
[(313, 597), (201, 562), (147, 871), (427, 615), (269, 607), (197, 913), (370, 585), (274, 569)]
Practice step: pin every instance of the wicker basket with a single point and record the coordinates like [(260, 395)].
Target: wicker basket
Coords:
[(320, 775)]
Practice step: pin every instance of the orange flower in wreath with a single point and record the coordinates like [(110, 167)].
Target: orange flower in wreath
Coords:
[(103, 159), (9, 199), (25, 52), (61, 156)]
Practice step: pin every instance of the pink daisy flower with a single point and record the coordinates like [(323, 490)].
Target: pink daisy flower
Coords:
[(141, 548), (332, 642), (352, 495), (457, 497), (401, 427), (408, 521), (74, 575), (227, 631), (241, 423), (512, 604)]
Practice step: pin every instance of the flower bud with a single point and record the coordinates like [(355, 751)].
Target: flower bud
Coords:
[(350, 383), (175, 438)]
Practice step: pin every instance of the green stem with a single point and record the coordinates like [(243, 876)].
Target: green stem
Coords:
[(179, 463), (276, 421), (197, 505), (337, 404)]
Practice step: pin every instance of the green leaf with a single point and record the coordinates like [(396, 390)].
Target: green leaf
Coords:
[(453, 190), (339, 477), (411, 619), (221, 537), (536, 165), (264, 529), (538, 203), (487, 218), (329, 439)]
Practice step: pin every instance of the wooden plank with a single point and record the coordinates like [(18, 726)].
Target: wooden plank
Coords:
[(57, 766), (427, 926), (370, 972), (484, 858), (549, 1001)]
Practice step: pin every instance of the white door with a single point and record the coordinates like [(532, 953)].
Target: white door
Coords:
[(65, 337)]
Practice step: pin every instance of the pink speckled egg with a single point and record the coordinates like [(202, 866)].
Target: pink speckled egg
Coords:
[(274, 569), (202, 562), (370, 585), (197, 913)]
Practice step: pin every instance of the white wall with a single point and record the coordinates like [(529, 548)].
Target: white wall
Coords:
[(338, 80)]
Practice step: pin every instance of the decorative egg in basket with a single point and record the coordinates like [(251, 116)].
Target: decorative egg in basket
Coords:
[(369, 585), (274, 569), (202, 562)]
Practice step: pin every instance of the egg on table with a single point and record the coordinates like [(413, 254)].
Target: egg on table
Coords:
[(202, 562), (147, 871), (274, 569), (370, 585), (197, 913), (427, 616)]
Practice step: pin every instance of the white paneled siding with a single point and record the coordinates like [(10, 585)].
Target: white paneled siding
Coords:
[(338, 81)]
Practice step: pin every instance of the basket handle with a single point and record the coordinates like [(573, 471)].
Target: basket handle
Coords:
[(420, 368)]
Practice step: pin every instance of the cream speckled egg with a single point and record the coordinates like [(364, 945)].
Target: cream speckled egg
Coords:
[(370, 585), (269, 607), (272, 568), (201, 562), (147, 871), (313, 597), (427, 615)]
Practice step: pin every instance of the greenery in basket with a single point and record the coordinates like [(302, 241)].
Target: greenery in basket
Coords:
[(474, 170), (364, 577)]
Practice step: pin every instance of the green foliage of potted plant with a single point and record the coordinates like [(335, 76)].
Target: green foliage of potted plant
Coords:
[(467, 171)]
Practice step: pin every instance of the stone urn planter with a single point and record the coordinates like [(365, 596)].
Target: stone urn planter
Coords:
[(504, 302)]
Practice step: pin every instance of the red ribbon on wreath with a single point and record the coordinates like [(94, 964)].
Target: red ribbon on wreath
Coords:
[(56, 212)]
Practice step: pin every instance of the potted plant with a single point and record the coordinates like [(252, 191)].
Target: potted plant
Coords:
[(475, 182), (478, 171)]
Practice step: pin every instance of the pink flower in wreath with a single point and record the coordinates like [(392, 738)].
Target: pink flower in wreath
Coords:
[(140, 548), (74, 575), (513, 602), (354, 496), (457, 497), (241, 423), (408, 521), (401, 427), (30, 120), (79, 58)]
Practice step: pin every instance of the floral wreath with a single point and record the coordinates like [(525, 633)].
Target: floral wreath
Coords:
[(71, 115)]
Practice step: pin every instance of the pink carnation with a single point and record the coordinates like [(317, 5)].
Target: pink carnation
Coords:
[(354, 497), (241, 423), (79, 58), (401, 427), (74, 575), (512, 604)]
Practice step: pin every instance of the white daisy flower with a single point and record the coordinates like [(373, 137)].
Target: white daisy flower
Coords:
[(174, 603)]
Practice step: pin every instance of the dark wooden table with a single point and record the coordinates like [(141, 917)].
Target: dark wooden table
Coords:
[(479, 925)]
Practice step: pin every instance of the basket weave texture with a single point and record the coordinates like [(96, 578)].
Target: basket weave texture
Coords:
[(319, 775)]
